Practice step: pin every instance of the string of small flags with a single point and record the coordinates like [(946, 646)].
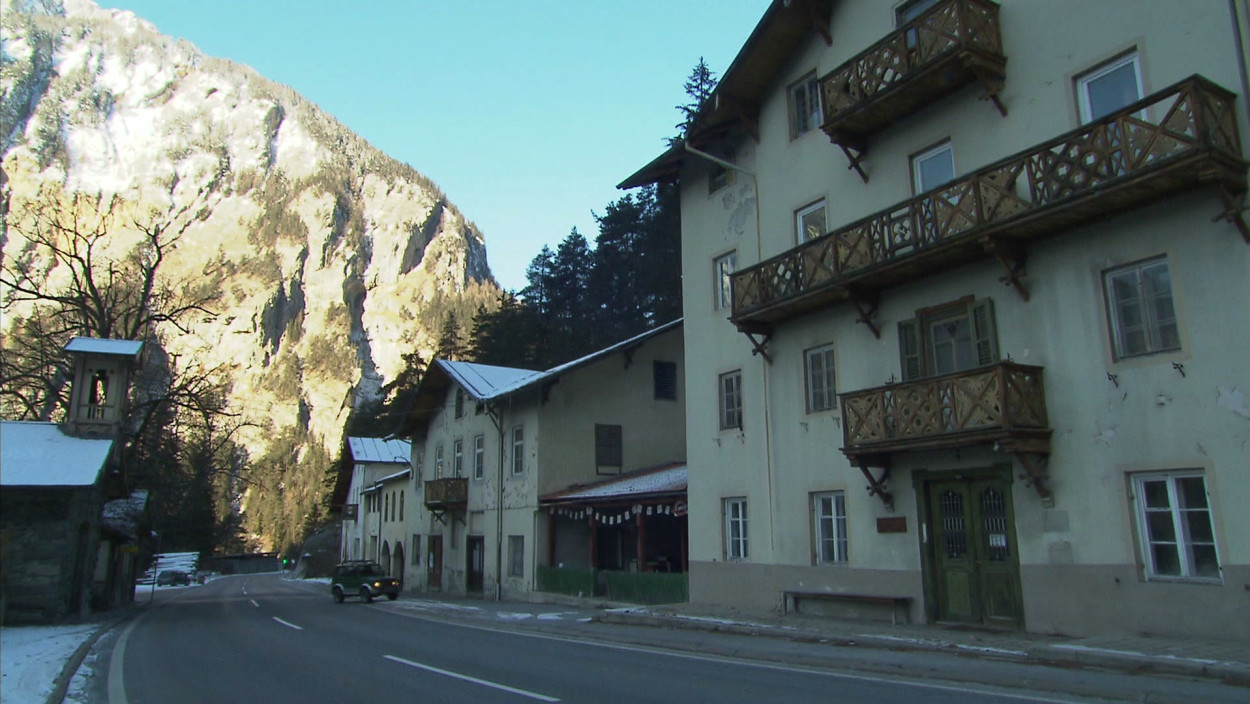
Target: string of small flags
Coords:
[(619, 516)]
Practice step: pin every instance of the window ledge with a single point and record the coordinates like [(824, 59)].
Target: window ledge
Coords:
[(1193, 581)]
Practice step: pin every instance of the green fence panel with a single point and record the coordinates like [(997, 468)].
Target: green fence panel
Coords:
[(648, 587), (566, 581)]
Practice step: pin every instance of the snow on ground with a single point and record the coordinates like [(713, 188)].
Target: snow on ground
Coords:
[(31, 658)]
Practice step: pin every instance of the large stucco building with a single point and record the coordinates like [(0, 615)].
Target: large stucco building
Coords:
[(986, 260)]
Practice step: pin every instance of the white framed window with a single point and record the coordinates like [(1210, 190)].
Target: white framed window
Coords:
[(933, 167), (819, 374), (479, 456), (1108, 88), (736, 545), (401, 504), (805, 113), (909, 11), (723, 268), (809, 222), (459, 403), (829, 527), (730, 402), (953, 337), (457, 458), (516, 556), (438, 462), (1174, 525), (1140, 308), (518, 449)]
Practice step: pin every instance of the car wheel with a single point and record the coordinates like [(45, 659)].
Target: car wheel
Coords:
[(338, 595), (366, 595), (392, 596)]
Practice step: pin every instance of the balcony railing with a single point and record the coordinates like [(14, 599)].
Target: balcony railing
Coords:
[(447, 494), (1001, 404), (1174, 140), (953, 43)]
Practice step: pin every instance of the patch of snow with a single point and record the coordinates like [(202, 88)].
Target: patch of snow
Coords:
[(514, 616), (31, 658)]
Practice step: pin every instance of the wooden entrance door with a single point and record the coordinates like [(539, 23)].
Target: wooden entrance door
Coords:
[(477, 561), (974, 552), (434, 562)]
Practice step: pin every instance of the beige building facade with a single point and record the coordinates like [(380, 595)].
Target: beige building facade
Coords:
[(488, 442), (983, 259)]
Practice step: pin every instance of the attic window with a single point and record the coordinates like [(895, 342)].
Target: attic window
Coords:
[(665, 377), (459, 403), (719, 176)]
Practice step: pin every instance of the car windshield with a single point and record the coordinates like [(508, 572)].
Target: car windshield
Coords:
[(371, 571)]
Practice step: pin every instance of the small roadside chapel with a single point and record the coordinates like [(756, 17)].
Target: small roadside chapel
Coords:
[(625, 538)]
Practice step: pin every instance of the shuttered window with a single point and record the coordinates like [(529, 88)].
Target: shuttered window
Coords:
[(608, 452), (948, 339)]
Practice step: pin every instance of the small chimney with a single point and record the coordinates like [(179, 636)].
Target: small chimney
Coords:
[(100, 391)]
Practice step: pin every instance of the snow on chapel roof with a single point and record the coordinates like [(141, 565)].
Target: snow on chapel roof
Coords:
[(95, 345), (39, 454), (380, 450)]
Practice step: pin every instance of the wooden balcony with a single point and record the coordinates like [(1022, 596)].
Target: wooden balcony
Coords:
[(954, 43), (1002, 405), (447, 494), (1177, 139)]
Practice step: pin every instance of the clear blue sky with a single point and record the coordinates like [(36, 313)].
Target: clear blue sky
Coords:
[(526, 113)]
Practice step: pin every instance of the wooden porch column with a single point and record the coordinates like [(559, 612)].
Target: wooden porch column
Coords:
[(551, 539), (594, 533), (685, 552), (642, 557)]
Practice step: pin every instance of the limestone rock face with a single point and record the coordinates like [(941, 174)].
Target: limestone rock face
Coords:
[(330, 256)]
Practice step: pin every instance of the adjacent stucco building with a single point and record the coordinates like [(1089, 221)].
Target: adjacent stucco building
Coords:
[(987, 261), (376, 502)]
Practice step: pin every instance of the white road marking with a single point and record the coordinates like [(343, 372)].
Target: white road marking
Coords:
[(474, 680), (288, 624), (254, 603)]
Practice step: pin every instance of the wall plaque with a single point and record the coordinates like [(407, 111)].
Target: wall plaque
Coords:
[(893, 524)]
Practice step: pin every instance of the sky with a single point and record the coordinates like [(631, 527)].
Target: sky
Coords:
[(526, 113)]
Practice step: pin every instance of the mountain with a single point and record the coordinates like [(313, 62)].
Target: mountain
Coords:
[(331, 259)]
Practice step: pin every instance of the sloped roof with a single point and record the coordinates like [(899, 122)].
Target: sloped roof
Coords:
[(397, 475), (39, 454), (484, 381), (95, 345), (380, 450), (657, 481), (123, 516)]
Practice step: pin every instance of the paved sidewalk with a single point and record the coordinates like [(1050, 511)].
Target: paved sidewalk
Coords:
[(1224, 660)]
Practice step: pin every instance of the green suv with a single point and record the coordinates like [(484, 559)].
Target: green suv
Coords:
[(362, 578)]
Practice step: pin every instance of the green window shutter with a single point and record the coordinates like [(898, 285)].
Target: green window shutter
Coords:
[(909, 350), (984, 332)]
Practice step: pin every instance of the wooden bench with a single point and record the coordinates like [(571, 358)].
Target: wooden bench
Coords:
[(792, 598)]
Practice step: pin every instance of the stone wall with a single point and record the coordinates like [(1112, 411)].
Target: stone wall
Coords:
[(50, 545)]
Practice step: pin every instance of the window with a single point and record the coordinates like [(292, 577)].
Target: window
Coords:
[(719, 176), (1143, 319), (416, 549), (805, 114), (809, 222), (457, 458), (736, 529), (664, 378), (479, 456), (386, 507), (725, 265), (829, 519), (933, 167), (401, 504), (608, 450), (947, 339), (909, 11), (459, 403), (1174, 525), (1109, 88), (821, 394), (518, 450), (731, 400), (516, 556), (438, 462)]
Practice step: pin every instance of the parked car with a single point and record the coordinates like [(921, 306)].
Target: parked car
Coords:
[(363, 578), (172, 577)]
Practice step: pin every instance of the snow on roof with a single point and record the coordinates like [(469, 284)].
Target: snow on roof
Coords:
[(123, 515), (396, 475), (668, 479), (483, 381), (95, 345), (39, 454), (380, 450)]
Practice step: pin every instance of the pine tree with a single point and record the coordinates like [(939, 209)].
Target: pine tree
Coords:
[(699, 87)]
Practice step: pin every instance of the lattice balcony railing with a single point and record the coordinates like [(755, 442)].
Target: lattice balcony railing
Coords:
[(446, 493), (998, 403), (952, 43), (1173, 140)]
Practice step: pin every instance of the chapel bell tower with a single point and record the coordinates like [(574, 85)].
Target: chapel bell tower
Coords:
[(98, 397)]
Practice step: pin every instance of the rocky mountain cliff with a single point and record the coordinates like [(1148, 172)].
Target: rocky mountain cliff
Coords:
[(333, 260)]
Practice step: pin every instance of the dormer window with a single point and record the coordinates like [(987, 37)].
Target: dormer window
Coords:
[(98, 394)]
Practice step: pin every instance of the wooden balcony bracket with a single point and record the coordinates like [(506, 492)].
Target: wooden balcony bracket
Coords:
[(855, 151), (1234, 212), (876, 485), (1035, 475), (1011, 257), (761, 343), (867, 304), (993, 86), (820, 22)]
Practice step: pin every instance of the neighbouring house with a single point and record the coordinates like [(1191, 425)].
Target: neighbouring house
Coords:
[(373, 509), (492, 444), (989, 261), (70, 529)]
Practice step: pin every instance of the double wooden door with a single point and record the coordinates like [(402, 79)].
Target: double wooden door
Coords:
[(977, 568)]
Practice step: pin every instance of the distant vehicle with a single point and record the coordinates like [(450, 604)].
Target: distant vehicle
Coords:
[(172, 577), (362, 578)]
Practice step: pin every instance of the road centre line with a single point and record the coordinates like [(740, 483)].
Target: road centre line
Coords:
[(288, 624), (474, 680)]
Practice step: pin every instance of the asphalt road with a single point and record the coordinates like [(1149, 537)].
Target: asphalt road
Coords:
[(265, 639)]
